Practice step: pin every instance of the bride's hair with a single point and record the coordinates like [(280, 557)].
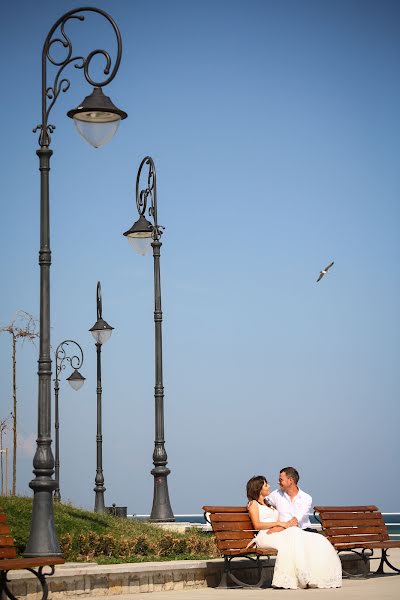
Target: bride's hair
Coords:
[(254, 487)]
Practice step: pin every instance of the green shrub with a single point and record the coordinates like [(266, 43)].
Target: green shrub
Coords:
[(87, 536)]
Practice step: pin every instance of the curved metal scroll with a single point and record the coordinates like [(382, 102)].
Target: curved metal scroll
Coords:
[(99, 302), (150, 192), (228, 572), (61, 356), (50, 93), (40, 576)]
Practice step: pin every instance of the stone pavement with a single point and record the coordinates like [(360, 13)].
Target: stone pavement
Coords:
[(189, 580), (378, 588)]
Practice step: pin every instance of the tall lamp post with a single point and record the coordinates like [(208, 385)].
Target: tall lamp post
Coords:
[(101, 332), (97, 120), (144, 236), (76, 381)]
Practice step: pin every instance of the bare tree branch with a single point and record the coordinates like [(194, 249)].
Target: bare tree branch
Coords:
[(23, 327)]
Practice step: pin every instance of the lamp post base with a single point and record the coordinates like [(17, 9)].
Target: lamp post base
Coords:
[(161, 511), (42, 540), (99, 505)]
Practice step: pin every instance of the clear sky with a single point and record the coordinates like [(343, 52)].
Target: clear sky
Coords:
[(274, 127)]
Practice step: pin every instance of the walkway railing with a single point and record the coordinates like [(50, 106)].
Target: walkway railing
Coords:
[(392, 520)]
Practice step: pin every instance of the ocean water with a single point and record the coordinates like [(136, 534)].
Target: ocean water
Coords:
[(392, 521)]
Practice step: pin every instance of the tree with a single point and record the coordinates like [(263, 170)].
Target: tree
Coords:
[(24, 327), (3, 429)]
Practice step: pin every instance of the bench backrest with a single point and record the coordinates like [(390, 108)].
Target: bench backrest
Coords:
[(7, 548), (351, 526), (232, 527)]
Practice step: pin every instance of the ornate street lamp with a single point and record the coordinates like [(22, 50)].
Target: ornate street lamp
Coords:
[(76, 381), (101, 332), (144, 236), (97, 119)]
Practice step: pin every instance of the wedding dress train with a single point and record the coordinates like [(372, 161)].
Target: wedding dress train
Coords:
[(304, 559)]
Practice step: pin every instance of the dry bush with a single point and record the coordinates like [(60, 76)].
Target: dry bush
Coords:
[(66, 542)]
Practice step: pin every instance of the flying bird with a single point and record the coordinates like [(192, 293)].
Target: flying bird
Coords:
[(324, 271)]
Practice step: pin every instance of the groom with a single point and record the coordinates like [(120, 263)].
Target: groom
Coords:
[(290, 501)]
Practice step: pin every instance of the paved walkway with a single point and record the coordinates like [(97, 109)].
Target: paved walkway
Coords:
[(378, 588), (186, 580)]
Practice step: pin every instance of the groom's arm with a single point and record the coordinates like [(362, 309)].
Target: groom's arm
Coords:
[(302, 509)]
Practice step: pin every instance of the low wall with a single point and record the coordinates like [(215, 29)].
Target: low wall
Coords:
[(73, 579)]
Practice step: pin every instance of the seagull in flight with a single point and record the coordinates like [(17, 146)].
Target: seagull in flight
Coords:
[(324, 271)]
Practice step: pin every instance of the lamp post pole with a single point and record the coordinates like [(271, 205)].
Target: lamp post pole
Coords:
[(76, 381), (97, 119), (101, 332), (143, 236)]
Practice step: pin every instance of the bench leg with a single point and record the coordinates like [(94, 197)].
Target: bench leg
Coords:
[(40, 576), (228, 572), (384, 560), (365, 557), (4, 587), (223, 584)]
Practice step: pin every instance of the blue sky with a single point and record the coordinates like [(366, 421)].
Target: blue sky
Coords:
[(274, 128)]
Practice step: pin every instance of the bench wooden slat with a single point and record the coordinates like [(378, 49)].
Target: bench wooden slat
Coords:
[(27, 563), (234, 535), (6, 540), (225, 509), (266, 551), (3, 518), (259, 551), (232, 527), (4, 529), (348, 546), (354, 530), (354, 539), (229, 544), (7, 553), (331, 516), (328, 523), (327, 509), (214, 518), (384, 544)]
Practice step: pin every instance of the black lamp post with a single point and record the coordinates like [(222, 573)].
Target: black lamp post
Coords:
[(76, 381), (101, 332), (97, 119), (144, 235)]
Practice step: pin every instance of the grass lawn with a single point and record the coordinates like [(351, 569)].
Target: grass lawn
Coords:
[(88, 536)]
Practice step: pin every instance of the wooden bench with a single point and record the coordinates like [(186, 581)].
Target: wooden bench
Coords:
[(8, 562), (233, 532), (359, 529)]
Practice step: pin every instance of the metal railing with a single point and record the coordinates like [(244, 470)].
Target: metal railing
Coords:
[(389, 525)]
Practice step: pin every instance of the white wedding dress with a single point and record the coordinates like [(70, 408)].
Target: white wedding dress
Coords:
[(304, 558)]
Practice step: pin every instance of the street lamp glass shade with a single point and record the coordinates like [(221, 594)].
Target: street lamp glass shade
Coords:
[(95, 133), (97, 118), (140, 236), (141, 245), (101, 331), (76, 380)]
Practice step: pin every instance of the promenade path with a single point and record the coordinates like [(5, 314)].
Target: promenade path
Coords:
[(378, 588), (386, 587), (186, 580)]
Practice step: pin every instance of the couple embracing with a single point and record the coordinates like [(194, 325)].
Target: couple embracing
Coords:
[(305, 558)]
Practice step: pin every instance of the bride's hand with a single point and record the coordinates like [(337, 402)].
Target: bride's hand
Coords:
[(275, 529)]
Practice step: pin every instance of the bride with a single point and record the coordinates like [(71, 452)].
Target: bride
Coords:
[(304, 559)]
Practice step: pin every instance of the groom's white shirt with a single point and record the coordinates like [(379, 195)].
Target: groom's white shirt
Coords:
[(299, 507)]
